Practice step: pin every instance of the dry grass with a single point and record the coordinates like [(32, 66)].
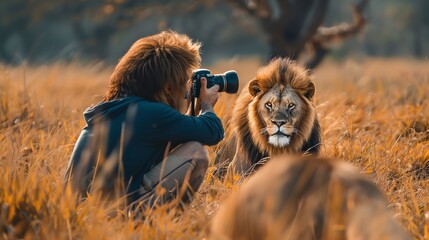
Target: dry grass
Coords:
[(374, 114)]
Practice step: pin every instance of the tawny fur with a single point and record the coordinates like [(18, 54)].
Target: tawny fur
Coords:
[(302, 198), (247, 126)]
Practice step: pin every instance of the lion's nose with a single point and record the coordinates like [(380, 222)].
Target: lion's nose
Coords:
[(278, 123)]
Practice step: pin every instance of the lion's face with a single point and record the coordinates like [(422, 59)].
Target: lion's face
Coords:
[(280, 110)]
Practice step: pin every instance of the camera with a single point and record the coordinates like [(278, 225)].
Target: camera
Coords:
[(228, 81)]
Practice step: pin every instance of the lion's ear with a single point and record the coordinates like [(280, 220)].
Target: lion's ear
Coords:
[(309, 93), (254, 88)]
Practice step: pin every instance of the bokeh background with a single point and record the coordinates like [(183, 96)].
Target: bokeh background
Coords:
[(41, 31)]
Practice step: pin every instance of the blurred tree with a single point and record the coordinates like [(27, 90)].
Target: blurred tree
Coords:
[(291, 26)]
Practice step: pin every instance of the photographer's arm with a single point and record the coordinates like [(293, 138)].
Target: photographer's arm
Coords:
[(172, 126)]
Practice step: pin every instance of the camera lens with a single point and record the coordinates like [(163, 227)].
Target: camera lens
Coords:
[(231, 81), (228, 82)]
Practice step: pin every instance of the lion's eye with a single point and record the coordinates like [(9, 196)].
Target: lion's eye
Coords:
[(268, 105), (291, 106)]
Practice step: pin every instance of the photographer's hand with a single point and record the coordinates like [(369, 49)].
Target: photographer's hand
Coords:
[(208, 97)]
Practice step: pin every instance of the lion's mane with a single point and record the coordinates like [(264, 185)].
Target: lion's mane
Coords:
[(246, 123)]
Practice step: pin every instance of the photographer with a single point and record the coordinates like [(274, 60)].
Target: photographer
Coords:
[(139, 139)]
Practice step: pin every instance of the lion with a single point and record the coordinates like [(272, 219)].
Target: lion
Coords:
[(307, 198), (274, 114)]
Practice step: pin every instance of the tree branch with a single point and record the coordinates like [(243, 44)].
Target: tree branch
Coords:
[(325, 35), (344, 30)]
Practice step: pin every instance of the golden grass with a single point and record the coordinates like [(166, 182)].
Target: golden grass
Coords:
[(374, 114)]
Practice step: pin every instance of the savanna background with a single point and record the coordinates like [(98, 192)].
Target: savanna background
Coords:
[(370, 66)]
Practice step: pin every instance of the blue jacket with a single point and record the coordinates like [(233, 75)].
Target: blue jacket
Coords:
[(134, 133)]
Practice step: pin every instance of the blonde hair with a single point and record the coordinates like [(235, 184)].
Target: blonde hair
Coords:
[(156, 68)]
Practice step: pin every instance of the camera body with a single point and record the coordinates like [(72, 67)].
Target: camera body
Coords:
[(228, 81)]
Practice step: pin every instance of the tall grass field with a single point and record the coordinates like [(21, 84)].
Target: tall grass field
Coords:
[(374, 114)]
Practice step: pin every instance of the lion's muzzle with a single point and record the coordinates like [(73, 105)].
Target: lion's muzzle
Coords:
[(279, 136)]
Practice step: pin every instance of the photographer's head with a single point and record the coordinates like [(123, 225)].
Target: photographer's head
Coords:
[(156, 68)]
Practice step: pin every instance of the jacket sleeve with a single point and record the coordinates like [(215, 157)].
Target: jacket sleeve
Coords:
[(170, 125)]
